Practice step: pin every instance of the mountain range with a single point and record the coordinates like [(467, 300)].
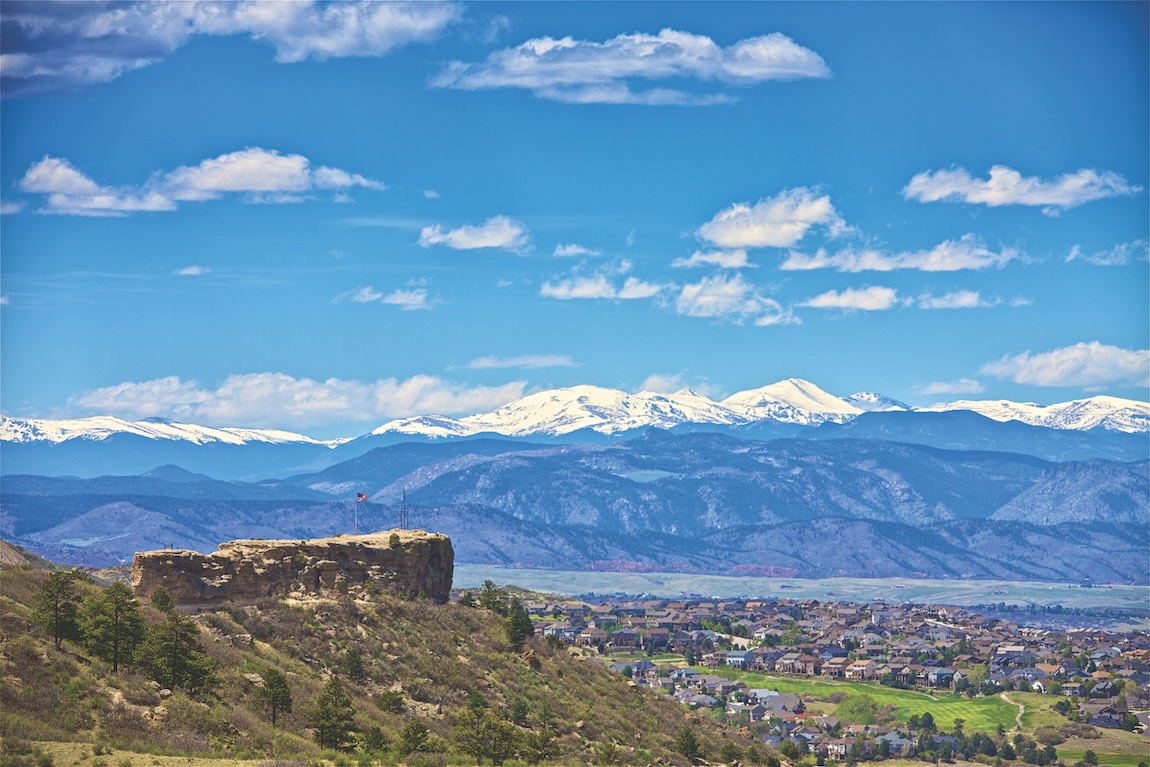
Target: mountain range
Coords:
[(1115, 427), (784, 480)]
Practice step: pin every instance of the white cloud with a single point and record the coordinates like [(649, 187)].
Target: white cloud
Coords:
[(62, 47), (270, 400), (10, 207), (526, 361), (1087, 365), (968, 252), (583, 72), (496, 232), (1006, 186), (961, 386), (361, 295), (731, 298), (256, 171), (599, 286), (572, 250), (670, 384), (265, 176), (1119, 255), (195, 270), (778, 222), (725, 259), (869, 299), (431, 194), (71, 192), (958, 299), (4, 301), (409, 300), (1021, 301)]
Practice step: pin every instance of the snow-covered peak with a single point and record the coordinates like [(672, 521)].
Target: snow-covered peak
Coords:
[(1112, 413), (562, 411), (427, 425), (102, 427), (794, 401), (872, 402)]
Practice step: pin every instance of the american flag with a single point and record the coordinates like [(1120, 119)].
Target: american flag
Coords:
[(361, 497)]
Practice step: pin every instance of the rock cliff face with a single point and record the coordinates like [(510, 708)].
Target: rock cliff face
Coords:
[(349, 566)]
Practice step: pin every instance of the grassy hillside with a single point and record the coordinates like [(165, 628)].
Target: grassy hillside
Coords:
[(448, 668)]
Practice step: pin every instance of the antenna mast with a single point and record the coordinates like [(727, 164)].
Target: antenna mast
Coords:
[(404, 512)]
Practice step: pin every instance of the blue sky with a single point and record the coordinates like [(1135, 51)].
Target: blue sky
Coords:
[(319, 217)]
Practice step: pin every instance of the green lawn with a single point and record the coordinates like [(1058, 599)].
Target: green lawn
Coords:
[(1106, 760), (981, 714)]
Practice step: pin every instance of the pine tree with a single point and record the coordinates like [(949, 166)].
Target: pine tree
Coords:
[(56, 604), (518, 624), (413, 737), (687, 744), (275, 696), (112, 624), (173, 657), (333, 716)]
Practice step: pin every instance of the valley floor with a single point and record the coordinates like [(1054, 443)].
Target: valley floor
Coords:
[(951, 592)]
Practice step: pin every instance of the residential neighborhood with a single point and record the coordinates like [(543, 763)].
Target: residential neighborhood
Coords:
[(696, 650)]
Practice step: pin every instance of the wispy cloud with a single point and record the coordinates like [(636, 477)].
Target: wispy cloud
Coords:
[(777, 222), (1087, 365), (270, 400), (725, 259), (731, 298), (958, 299), (1006, 186), (499, 232), (195, 270), (260, 175), (602, 283), (572, 250), (9, 207), (869, 299), (63, 47), (525, 361), (968, 252), (1119, 255), (408, 299), (584, 72), (961, 386)]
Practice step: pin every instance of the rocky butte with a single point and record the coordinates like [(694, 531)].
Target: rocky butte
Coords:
[(411, 562)]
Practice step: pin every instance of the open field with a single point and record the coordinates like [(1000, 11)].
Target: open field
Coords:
[(984, 714), (956, 592)]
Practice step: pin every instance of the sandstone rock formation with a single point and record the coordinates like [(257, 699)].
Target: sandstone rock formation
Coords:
[(407, 562)]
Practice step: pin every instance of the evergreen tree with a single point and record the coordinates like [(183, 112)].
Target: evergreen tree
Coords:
[(172, 656), (353, 665), (413, 737), (56, 605), (333, 716), (483, 735), (687, 744), (112, 624), (518, 624), (275, 696), (162, 600)]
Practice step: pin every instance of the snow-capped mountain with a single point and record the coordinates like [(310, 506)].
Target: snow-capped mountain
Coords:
[(1110, 413), (558, 412), (791, 401), (875, 403), (102, 427)]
